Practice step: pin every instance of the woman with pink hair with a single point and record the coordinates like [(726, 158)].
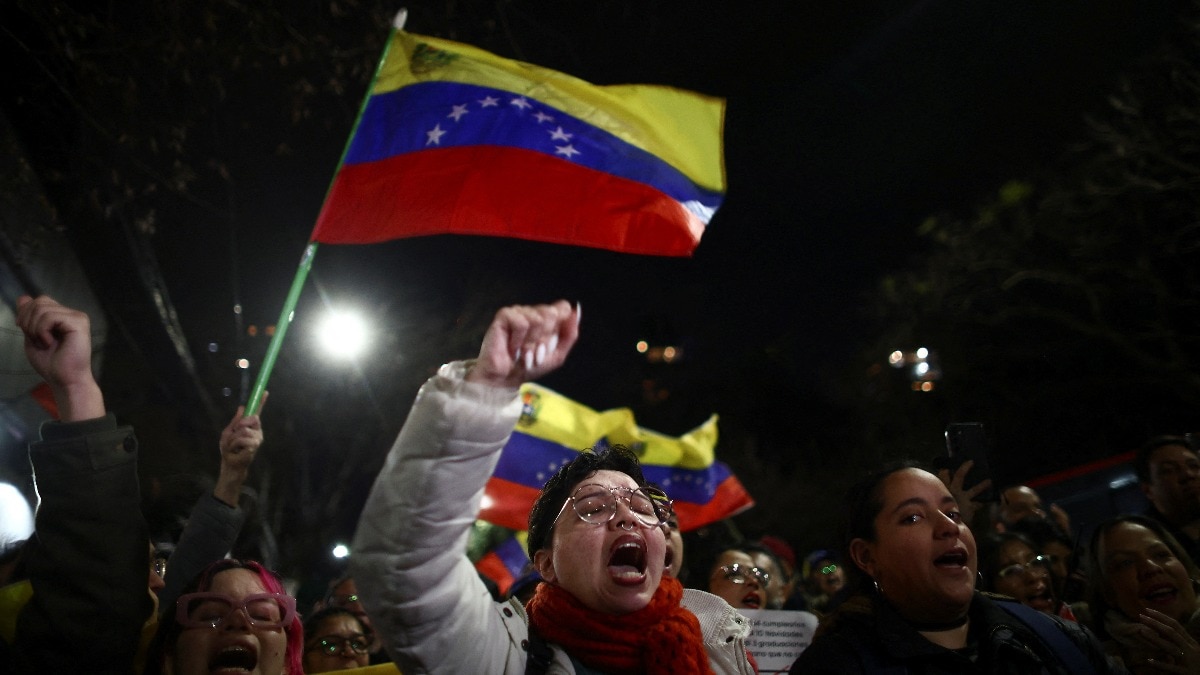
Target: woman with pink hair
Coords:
[(235, 614)]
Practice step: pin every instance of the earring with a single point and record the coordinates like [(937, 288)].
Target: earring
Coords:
[(877, 588)]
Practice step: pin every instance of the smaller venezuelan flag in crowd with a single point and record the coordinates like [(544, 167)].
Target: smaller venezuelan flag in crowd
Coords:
[(456, 140), (553, 429)]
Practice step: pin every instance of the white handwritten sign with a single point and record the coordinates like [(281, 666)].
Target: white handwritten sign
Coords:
[(778, 637)]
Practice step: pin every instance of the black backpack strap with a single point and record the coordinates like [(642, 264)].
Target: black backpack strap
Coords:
[(1047, 630), (537, 662)]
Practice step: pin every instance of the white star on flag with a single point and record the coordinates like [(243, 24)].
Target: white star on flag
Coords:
[(434, 135), (543, 117), (521, 102), (458, 111), (489, 102), (568, 151), (560, 135)]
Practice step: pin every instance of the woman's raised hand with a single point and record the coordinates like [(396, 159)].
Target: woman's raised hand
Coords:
[(525, 342)]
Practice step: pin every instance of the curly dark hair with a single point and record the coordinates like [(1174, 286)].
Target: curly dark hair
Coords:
[(556, 491)]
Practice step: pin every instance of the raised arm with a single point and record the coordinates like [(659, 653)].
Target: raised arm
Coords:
[(409, 556), (88, 558), (216, 519)]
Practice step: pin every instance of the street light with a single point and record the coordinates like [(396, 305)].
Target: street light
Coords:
[(343, 334)]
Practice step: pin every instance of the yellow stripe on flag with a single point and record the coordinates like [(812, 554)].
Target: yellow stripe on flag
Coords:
[(680, 127), (568, 423)]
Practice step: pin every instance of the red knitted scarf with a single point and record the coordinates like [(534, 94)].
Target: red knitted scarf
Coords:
[(662, 637)]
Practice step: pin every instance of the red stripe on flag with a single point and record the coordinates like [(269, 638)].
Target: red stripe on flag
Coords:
[(506, 192), (729, 499), (492, 567), (507, 504)]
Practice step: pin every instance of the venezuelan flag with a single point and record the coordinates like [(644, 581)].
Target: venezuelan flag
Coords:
[(505, 562), (553, 429), (456, 140)]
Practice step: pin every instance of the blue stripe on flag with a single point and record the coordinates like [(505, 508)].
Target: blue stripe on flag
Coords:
[(512, 554), (531, 461), (408, 120)]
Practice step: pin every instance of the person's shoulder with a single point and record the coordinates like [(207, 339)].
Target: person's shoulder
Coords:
[(831, 652), (718, 619)]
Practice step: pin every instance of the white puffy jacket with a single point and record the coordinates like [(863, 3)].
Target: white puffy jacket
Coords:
[(410, 565)]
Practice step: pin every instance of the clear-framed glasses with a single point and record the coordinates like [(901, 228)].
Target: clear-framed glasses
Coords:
[(1039, 562), (740, 574), (209, 610), (597, 504), (160, 567), (332, 644)]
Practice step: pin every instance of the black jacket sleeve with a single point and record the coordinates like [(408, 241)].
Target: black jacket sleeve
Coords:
[(88, 559)]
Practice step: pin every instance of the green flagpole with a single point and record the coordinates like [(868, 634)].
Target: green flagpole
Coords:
[(310, 251), (281, 327)]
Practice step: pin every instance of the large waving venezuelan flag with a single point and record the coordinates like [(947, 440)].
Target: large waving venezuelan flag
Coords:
[(553, 429), (456, 140)]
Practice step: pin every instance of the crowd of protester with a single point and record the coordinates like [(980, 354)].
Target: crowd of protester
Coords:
[(925, 580)]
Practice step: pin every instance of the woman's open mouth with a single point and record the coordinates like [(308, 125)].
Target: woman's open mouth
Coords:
[(233, 659), (752, 601), (952, 559), (627, 561), (1043, 601), (1160, 596)]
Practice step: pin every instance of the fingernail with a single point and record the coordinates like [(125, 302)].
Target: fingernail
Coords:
[(541, 354), (578, 312), (553, 343), (528, 360)]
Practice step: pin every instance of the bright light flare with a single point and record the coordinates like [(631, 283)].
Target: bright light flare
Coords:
[(16, 518), (343, 334), (341, 551)]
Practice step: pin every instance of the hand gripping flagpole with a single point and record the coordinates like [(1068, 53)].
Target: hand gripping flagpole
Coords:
[(310, 251)]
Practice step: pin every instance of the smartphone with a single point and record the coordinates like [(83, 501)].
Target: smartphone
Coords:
[(966, 441)]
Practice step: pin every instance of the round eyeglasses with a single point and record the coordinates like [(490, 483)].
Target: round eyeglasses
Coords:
[(209, 610), (740, 574), (597, 504), (332, 644), (1039, 562)]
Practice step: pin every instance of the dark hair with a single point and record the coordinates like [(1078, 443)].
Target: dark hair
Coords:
[(989, 546), (559, 487), (1097, 577), (163, 645), (1141, 460), (781, 576), (312, 623), (332, 586), (864, 501)]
